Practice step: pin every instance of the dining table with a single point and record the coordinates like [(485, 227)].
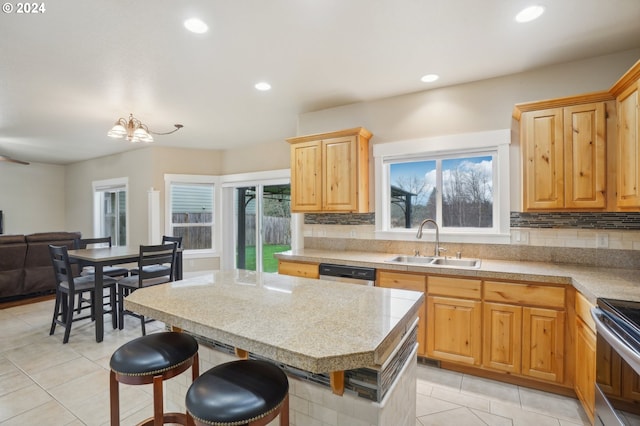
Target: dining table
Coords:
[(108, 256)]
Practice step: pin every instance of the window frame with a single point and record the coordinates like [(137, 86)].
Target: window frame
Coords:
[(495, 142), (100, 186), (214, 181)]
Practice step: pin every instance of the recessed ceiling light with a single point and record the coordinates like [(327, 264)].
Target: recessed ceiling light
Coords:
[(263, 86), (195, 25), (429, 78), (529, 14)]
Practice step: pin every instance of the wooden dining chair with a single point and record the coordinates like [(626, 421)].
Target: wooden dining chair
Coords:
[(109, 271), (155, 266), (68, 287), (164, 267)]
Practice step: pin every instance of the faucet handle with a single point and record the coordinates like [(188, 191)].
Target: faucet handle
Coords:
[(416, 253), (442, 250), (458, 255)]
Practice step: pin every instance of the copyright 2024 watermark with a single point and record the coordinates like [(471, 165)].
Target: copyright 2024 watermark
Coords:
[(23, 8)]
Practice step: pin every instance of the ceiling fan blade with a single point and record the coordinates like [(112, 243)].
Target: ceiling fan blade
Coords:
[(12, 160)]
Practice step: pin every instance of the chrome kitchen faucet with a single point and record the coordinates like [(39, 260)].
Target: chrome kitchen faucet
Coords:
[(436, 250)]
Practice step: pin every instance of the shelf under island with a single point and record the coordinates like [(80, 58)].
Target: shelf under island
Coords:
[(349, 350)]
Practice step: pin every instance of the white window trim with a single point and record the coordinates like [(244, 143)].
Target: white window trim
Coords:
[(100, 185), (497, 140), (217, 209)]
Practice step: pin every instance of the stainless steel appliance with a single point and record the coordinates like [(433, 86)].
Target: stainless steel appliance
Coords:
[(617, 362), (348, 274)]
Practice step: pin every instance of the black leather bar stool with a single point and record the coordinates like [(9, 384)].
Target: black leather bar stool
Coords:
[(246, 392), (152, 359)]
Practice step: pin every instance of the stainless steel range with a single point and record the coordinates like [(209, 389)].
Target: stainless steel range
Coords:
[(617, 362)]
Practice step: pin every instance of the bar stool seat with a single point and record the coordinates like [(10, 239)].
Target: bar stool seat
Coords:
[(152, 359), (245, 392)]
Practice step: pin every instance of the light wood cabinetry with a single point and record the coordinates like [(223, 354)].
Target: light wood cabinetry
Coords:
[(413, 282), (502, 349), (524, 329), (628, 147), (299, 269), (454, 319), (585, 355), (564, 157), (543, 344), (330, 172)]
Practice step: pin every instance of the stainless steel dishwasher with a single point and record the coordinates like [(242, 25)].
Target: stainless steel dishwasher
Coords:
[(348, 274)]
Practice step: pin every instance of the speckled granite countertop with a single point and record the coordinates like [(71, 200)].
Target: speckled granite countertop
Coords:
[(318, 326), (591, 282)]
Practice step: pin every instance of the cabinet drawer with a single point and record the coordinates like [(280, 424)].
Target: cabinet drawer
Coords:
[(401, 281), (583, 310), (297, 269), (524, 294), (454, 287)]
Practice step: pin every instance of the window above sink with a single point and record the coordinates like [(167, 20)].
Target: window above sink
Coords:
[(452, 179)]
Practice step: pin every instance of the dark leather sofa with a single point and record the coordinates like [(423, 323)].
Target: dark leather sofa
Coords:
[(25, 265)]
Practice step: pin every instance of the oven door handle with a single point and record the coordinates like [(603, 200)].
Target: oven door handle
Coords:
[(615, 341)]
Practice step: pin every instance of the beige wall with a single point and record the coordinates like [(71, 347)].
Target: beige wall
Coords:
[(145, 169), (257, 158), (473, 107), (45, 197), (32, 198)]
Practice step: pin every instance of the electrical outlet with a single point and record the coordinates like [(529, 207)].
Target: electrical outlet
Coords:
[(602, 240), (520, 237)]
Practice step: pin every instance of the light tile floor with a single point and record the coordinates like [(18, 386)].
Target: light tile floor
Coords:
[(43, 382)]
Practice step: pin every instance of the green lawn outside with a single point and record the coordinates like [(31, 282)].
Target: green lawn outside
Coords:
[(270, 263)]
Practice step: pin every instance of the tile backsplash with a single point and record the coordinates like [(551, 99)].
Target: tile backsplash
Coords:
[(594, 239)]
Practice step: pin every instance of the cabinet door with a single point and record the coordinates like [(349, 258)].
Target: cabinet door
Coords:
[(454, 329), (409, 282), (306, 180), (543, 344), (543, 159), (585, 154), (502, 337), (628, 188), (585, 366), (340, 174)]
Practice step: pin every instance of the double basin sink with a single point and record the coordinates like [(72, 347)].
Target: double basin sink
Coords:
[(436, 261)]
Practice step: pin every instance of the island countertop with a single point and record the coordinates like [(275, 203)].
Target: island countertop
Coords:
[(315, 325)]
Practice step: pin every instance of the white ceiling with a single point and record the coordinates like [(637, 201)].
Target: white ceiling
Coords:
[(67, 74)]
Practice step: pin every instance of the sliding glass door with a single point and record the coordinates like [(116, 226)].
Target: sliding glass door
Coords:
[(262, 225)]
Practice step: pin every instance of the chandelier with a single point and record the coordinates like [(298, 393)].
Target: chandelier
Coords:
[(135, 131)]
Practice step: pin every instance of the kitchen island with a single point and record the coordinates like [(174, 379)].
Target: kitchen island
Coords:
[(349, 350)]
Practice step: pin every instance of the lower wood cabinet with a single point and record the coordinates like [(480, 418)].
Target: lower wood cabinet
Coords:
[(585, 362), (543, 344), (454, 319), (413, 282), (524, 329), (502, 348), (299, 269), (585, 355)]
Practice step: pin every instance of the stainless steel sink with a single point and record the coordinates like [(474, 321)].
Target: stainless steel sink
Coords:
[(460, 263), (417, 260), (436, 261)]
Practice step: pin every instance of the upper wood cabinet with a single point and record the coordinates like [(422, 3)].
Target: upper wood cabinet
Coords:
[(330, 172), (564, 156), (628, 152)]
